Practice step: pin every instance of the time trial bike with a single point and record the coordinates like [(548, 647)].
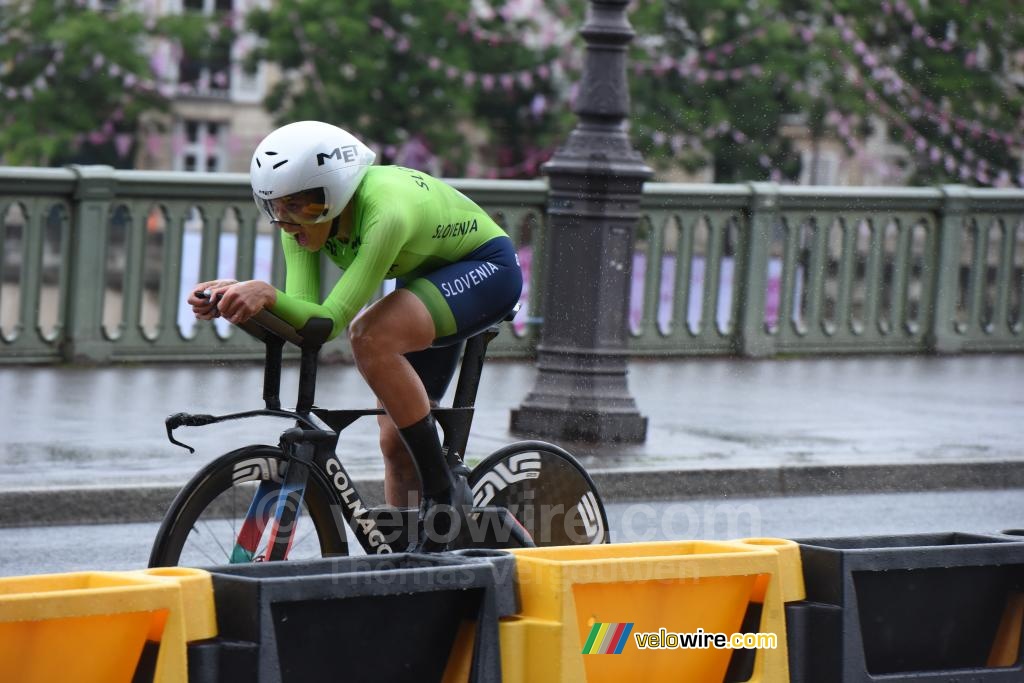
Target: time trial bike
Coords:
[(294, 500)]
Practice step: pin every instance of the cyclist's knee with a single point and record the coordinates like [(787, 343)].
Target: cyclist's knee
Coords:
[(362, 339)]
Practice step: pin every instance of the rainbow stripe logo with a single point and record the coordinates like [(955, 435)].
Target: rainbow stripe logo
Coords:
[(607, 639)]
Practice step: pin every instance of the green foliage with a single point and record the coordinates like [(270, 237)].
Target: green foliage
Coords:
[(842, 65), (957, 102), (71, 79), (713, 82), (718, 85), (391, 70)]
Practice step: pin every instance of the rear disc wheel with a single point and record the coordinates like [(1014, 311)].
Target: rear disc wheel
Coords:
[(546, 490)]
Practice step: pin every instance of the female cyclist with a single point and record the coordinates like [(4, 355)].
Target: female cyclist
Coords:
[(457, 273)]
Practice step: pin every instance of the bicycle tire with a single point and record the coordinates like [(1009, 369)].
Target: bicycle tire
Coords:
[(534, 480), (235, 473)]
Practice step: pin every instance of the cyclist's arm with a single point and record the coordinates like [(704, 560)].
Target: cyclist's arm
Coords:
[(382, 240), (302, 271)]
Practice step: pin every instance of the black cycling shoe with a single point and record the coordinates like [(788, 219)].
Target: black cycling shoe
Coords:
[(442, 518)]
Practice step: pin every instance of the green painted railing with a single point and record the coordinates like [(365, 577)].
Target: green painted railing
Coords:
[(97, 262), (767, 269)]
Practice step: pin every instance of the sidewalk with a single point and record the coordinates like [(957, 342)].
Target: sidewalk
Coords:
[(728, 427)]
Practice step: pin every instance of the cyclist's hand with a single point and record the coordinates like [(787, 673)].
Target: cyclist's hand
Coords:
[(243, 300), (205, 308)]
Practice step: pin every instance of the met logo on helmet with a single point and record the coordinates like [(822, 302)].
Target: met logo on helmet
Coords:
[(347, 153)]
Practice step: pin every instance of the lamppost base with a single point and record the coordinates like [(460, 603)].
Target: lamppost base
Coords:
[(573, 424)]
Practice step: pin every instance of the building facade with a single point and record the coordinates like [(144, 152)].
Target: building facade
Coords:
[(216, 117)]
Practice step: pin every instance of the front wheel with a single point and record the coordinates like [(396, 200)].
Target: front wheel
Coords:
[(546, 489), (229, 504)]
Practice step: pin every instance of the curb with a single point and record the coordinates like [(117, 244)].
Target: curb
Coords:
[(147, 503), (632, 485)]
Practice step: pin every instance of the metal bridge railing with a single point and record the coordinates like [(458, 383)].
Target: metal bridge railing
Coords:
[(96, 264), (760, 269)]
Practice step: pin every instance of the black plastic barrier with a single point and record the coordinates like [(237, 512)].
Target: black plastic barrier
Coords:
[(369, 618), (927, 607)]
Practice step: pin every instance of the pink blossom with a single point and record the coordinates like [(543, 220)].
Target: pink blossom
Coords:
[(154, 143), (123, 144)]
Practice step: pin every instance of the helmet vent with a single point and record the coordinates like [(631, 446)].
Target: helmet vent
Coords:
[(271, 154), (281, 163)]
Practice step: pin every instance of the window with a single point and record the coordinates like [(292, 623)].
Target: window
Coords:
[(202, 146), (209, 74), (819, 169)]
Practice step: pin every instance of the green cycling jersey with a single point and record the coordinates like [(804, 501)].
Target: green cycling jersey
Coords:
[(405, 224)]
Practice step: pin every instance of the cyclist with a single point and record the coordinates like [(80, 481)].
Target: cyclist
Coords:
[(457, 273)]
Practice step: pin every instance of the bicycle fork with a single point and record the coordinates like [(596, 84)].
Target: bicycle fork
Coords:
[(284, 498)]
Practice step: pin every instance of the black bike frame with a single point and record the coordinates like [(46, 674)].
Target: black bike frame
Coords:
[(311, 446)]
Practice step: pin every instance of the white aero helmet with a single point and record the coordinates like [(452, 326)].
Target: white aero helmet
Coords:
[(307, 171)]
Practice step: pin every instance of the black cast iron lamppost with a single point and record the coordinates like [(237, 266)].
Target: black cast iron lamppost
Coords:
[(596, 180)]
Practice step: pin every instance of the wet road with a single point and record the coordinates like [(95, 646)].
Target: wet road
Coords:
[(69, 426)]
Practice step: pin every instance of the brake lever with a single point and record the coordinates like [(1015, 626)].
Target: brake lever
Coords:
[(186, 420)]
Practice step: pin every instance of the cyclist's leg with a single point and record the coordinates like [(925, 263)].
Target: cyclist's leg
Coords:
[(401, 481), (440, 308), (453, 303), (435, 368), (380, 337)]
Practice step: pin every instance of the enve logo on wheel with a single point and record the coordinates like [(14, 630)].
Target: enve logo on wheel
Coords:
[(258, 469), (519, 468), (590, 514)]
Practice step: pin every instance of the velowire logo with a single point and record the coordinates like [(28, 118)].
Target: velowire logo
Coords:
[(607, 639)]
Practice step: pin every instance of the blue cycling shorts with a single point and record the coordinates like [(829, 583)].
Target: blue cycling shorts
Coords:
[(464, 298)]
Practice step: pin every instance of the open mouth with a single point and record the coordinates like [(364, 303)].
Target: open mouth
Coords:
[(301, 239)]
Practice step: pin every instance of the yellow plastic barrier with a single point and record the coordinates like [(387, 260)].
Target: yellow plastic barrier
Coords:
[(92, 626), (1006, 647), (678, 586)]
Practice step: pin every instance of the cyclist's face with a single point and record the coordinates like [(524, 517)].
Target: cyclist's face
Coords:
[(298, 215), (311, 237)]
